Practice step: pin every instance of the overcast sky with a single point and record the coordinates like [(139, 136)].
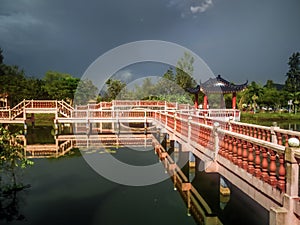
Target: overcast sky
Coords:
[(239, 39)]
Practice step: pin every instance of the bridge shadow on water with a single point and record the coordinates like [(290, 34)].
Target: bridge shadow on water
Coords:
[(234, 209)]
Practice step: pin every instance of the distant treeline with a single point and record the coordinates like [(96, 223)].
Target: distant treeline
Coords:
[(171, 87)]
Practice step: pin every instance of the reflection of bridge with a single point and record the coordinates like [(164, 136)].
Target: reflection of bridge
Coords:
[(255, 158)]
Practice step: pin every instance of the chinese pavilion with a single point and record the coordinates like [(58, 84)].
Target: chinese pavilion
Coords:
[(216, 85)]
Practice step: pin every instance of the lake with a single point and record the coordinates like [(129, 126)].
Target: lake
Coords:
[(67, 190)]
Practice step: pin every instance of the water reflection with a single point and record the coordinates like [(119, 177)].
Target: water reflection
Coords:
[(68, 191)]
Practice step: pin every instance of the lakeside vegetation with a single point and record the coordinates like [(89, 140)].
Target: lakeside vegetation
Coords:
[(267, 118)]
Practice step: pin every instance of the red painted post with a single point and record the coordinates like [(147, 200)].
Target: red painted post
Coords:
[(259, 133), (255, 133), (257, 171), (279, 138), (250, 159), (234, 150), (272, 169), (221, 145), (286, 138), (244, 153), (196, 101), (226, 146), (269, 136), (234, 100), (230, 148), (263, 135), (281, 173), (205, 102), (264, 165)]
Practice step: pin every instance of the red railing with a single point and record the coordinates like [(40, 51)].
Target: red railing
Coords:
[(257, 155)]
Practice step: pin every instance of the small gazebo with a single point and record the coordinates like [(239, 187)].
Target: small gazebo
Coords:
[(216, 85)]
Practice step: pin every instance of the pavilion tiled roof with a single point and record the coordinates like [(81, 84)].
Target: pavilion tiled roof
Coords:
[(217, 85)]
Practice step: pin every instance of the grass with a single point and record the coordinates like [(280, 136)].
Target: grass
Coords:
[(44, 119), (267, 118)]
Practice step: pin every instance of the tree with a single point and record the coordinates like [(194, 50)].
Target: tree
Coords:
[(184, 72), (60, 86), (167, 84), (13, 82), (1, 56), (292, 83), (252, 95), (114, 87), (11, 158), (270, 97), (11, 155), (85, 92)]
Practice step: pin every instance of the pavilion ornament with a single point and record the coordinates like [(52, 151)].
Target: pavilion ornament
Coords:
[(217, 85)]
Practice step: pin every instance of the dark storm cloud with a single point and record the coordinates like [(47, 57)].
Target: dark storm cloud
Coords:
[(239, 39)]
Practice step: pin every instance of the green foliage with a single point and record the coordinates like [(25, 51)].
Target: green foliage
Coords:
[(252, 95), (1, 56), (12, 82), (85, 92), (11, 150), (60, 86), (184, 72), (11, 155), (292, 83), (114, 87)]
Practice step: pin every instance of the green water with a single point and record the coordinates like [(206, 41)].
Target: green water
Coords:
[(68, 191)]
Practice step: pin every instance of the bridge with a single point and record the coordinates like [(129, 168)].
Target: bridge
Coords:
[(257, 159)]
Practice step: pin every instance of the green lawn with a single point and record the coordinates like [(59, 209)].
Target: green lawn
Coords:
[(269, 117)]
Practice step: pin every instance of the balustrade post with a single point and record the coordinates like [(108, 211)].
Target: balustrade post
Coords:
[(226, 145), (268, 136), (243, 155), (272, 169), (259, 134), (255, 132), (250, 159), (240, 153), (264, 135), (234, 150), (257, 171), (279, 138), (264, 165), (281, 173), (286, 138), (230, 148)]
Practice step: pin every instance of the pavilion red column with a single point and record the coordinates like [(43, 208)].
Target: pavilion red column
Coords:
[(205, 102), (234, 100), (196, 101)]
